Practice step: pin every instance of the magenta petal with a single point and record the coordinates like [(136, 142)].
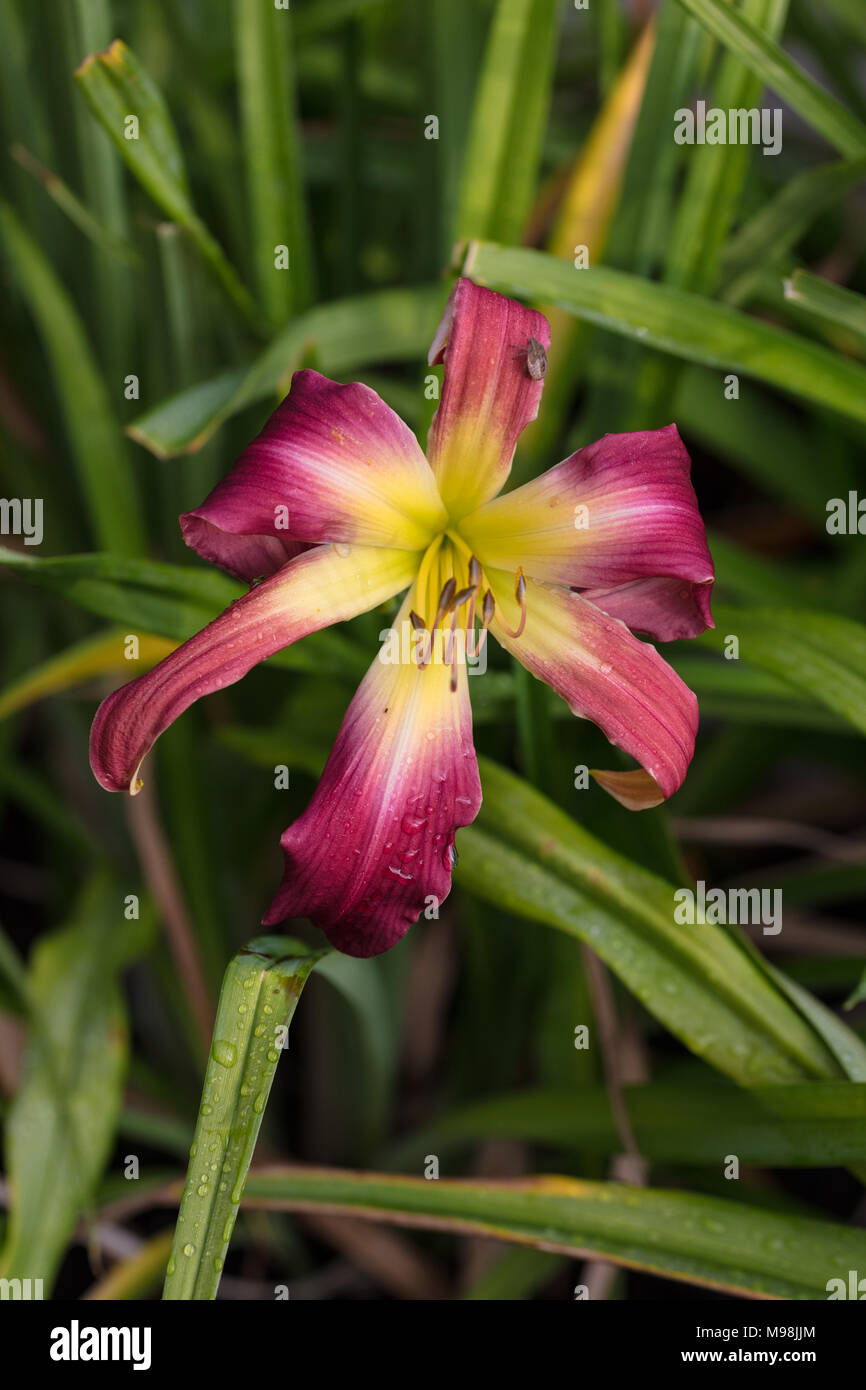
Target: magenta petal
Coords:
[(318, 588), (488, 394), (669, 610), (619, 510), (609, 676), (375, 846), (333, 463), (246, 557)]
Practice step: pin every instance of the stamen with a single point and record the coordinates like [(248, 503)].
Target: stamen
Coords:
[(424, 648), (470, 616), (445, 599), (488, 607), (460, 598), (520, 595), (475, 576), (452, 684)]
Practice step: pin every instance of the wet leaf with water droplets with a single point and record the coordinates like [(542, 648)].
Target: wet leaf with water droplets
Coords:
[(236, 1089)]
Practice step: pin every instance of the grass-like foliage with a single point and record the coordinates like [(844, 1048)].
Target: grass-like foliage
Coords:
[(200, 198)]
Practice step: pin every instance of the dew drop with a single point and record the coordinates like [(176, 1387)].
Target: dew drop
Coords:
[(224, 1052)]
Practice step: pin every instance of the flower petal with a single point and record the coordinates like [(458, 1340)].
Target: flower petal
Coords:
[(667, 609), (375, 845), (607, 675), (488, 395), (311, 592), (333, 463), (616, 511)]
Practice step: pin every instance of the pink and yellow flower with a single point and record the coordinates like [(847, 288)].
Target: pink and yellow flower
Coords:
[(335, 509)]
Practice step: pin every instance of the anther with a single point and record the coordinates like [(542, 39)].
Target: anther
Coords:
[(449, 589), (460, 598), (422, 654)]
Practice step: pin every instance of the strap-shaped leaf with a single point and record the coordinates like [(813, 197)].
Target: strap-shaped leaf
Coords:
[(385, 326), (171, 601), (725, 1245), (260, 990), (809, 1124), (781, 74), (527, 856), (822, 655), (677, 322), (62, 1119), (131, 108)]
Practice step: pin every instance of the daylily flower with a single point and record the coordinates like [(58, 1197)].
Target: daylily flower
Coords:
[(335, 509)]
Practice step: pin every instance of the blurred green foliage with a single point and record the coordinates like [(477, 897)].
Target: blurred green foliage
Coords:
[(146, 335)]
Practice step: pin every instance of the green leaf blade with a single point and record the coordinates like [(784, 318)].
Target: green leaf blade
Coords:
[(97, 443), (119, 91), (785, 77), (724, 1245), (676, 322), (260, 991), (63, 1117), (527, 856)]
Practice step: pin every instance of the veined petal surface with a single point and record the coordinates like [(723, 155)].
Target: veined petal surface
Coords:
[(605, 674), (333, 463), (620, 510), (312, 591), (488, 394), (669, 610), (375, 845)]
